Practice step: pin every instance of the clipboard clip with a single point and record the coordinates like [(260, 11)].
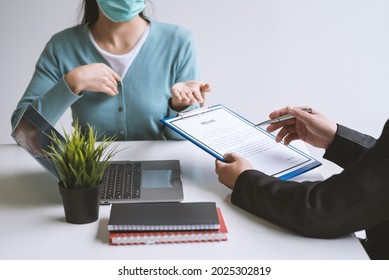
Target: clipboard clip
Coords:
[(195, 112)]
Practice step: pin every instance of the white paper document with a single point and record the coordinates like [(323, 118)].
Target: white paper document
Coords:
[(219, 130)]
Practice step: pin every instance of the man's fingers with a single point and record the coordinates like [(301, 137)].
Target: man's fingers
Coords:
[(278, 125), (286, 130), (278, 113), (291, 137), (230, 157), (299, 114)]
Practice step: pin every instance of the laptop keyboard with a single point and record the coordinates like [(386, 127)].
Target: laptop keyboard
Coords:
[(121, 181)]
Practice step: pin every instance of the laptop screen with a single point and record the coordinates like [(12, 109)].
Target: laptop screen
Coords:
[(32, 133), (159, 180)]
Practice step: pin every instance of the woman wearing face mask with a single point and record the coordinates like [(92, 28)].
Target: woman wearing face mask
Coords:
[(118, 71)]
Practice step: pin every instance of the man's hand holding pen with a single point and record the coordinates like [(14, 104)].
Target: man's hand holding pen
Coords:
[(307, 125)]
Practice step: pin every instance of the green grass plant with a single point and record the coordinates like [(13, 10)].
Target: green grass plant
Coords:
[(81, 160)]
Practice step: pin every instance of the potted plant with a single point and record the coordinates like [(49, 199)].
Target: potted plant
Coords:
[(80, 162)]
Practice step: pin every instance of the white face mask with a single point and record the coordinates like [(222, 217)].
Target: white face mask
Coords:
[(121, 10)]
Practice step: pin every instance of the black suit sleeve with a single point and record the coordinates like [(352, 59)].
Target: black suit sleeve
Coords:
[(347, 146), (353, 200)]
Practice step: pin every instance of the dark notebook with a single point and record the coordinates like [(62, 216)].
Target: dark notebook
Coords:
[(163, 216)]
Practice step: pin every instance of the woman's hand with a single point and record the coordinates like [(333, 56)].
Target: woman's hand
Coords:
[(187, 93), (96, 77), (313, 128), (230, 170)]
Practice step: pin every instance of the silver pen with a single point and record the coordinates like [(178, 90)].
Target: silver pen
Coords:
[(282, 118)]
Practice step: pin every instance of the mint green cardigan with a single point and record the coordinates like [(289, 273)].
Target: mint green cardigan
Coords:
[(168, 56)]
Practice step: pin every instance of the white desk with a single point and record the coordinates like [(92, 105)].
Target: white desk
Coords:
[(33, 226)]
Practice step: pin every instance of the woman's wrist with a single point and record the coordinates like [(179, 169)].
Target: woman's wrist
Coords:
[(70, 79), (177, 108)]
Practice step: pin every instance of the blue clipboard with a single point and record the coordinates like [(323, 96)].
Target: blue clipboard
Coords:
[(208, 127)]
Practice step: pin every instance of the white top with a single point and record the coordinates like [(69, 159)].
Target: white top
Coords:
[(120, 63)]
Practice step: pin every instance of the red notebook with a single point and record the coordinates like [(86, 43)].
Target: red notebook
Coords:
[(166, 237)]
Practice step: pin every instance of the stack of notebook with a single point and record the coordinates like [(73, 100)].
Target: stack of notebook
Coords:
[(163, 223)]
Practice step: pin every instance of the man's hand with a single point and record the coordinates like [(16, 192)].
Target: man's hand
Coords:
[(230, 170)]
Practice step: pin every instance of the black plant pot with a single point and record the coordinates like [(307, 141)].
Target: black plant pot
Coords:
[(81, 205)]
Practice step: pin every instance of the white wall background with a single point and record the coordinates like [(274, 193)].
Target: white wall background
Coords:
[(259, 55)]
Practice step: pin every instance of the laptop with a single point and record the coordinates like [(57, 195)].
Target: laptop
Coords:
[(123, 182)]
